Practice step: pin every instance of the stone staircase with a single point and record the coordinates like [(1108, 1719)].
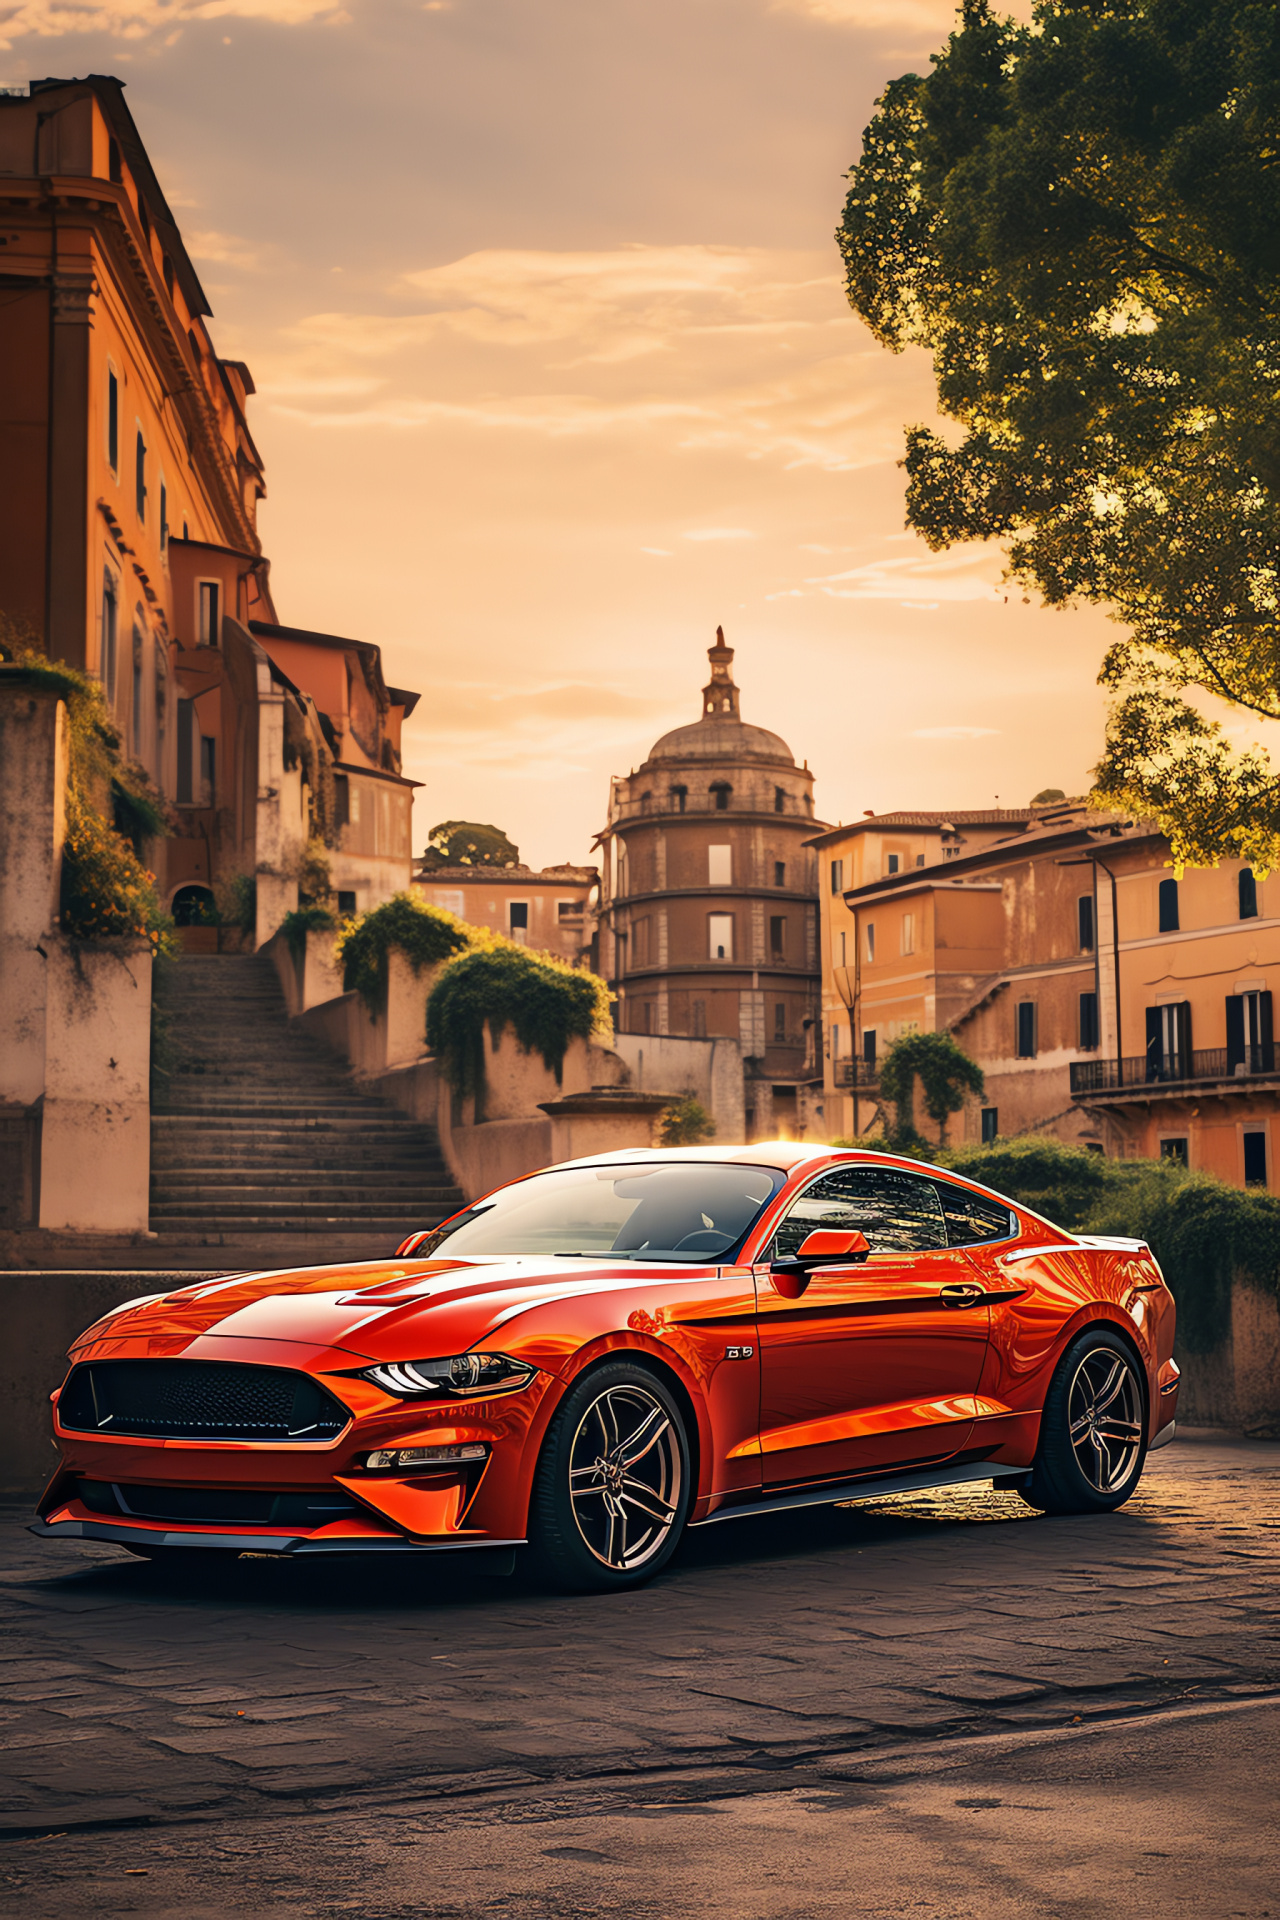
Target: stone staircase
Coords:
[(259, 1135)]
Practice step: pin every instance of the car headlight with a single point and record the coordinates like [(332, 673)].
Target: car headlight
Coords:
[(464, 1374)]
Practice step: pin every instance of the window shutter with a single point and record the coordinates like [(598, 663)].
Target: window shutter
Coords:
[(1154, 1048), (1266, 1032), (1182, 1014), (1235, 1031)]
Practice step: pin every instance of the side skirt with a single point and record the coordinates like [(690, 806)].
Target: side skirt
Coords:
[(848, 1491)]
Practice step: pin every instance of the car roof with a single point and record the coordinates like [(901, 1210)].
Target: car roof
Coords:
[(784, 1155)]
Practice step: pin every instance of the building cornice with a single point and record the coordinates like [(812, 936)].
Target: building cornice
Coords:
[(709, 893)]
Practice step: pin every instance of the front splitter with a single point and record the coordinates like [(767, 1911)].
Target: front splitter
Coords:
[(294, 1545)]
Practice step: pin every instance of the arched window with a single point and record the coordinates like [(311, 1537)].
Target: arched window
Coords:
[(1248, 894), (779, 799), (1169, 906), (679, 798), (646, 803), (720, 791), (193, 906)]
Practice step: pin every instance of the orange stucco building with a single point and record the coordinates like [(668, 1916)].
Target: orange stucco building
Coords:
[(1002, 930), (129, 487), (549, 908)]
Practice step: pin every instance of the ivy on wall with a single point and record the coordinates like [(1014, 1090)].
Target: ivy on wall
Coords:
[(423, 934), (544, 1000), (297, 924), (112, 808)]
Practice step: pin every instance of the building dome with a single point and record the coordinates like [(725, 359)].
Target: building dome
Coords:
[(721, 739), (721, 733)]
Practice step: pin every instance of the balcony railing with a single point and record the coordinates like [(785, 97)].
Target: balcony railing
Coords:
[(857, 1073), (662, 806), (1146, 1071)]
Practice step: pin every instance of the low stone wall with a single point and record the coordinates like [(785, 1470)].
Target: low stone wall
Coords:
[(1237, 1383), (711, 1070), (42, 1314)]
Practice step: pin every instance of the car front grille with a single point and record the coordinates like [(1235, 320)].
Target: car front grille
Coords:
[(198, 1400), (218, 1506)]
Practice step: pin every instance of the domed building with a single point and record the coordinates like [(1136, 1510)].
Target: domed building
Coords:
[(709, 898)]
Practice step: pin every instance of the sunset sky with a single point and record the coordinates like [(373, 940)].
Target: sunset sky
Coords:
[(555, 373)]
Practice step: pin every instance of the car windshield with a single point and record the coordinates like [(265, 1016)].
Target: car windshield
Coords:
[(658, 1210)]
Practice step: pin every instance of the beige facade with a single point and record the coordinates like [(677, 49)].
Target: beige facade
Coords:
[(1009, 944), (550, 909), (1190, 1070), (708, 900)]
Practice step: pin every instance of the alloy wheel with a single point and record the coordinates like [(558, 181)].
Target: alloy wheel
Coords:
[(1104, 1414), (625, 1476)]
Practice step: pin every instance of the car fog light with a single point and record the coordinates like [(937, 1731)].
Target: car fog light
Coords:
[(402, 1457)]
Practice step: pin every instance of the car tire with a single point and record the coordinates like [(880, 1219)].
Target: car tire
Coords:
[(614, 1483), (1093, 1431)]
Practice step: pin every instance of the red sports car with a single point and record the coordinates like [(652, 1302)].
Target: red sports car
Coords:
[(592, 1359)]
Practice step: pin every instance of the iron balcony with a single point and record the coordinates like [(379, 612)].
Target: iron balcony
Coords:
[(1156, 1073)]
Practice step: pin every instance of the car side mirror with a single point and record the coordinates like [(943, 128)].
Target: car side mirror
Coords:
[(823, 1247)]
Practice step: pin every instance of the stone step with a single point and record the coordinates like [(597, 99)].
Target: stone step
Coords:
[(383, 1196), (259, 1129), (397, 1227)]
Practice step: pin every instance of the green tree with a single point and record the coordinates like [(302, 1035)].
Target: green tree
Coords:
[(946, 1075), (685, 1123), (1078, 220), (464, 843)]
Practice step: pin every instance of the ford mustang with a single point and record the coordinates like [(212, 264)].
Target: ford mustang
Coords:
[(592, 1359)]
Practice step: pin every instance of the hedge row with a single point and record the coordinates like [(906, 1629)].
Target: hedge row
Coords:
[(1201, 1230)]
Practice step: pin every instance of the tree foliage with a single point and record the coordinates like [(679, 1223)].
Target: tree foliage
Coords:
[(465, 843), (685, 1123), (1078, 220), (946, 1074)]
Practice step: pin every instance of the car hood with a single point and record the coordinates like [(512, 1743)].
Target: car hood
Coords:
[(398, 1310)]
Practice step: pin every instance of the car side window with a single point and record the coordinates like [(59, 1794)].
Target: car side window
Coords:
[(898, 1212), (973, 1217)]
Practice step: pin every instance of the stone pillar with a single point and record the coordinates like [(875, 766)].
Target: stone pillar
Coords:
[(33, 784), (95, 1137)]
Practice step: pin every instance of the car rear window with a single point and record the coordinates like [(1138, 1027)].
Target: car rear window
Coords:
[(974, 1217)]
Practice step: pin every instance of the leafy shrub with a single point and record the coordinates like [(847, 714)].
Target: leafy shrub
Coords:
[(112, 807), (237, 898), (1201, 1230), (107, 893), (313, 873), (1059, 1181), (545, 1001), (304, 920), (421, 933), (684, 1123)]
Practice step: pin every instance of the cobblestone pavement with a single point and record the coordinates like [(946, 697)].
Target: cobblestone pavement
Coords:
[(266, 1733)]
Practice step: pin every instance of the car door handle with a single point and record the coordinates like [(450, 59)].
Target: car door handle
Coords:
[(962, 1293)]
